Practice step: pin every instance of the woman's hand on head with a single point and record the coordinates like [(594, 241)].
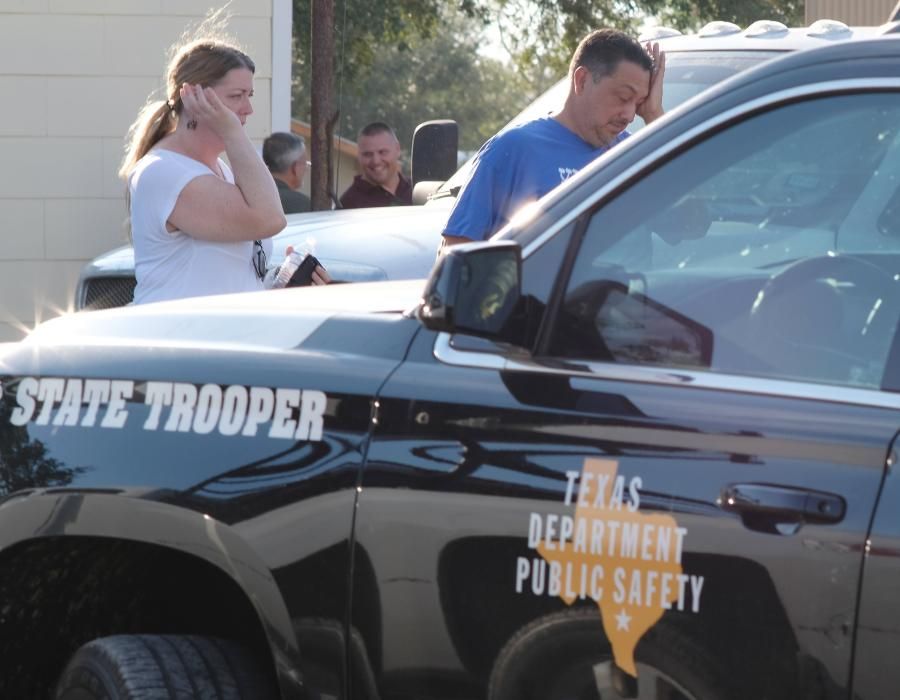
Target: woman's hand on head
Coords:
[(204, 106), (212, 208)]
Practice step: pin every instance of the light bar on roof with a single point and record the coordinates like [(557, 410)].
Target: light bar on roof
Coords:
[(718, 28), (827, 27), (655, 33), (765, 27)]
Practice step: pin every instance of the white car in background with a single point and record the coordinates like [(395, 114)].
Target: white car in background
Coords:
[(394, 243), (354, 245)]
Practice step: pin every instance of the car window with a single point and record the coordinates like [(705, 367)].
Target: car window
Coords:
[(771, 248)]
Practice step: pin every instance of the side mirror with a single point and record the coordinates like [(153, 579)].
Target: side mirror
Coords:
[(423, 189), (434, 150), (474, 289)]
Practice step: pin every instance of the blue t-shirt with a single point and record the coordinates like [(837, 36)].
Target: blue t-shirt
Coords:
[(516, 166)]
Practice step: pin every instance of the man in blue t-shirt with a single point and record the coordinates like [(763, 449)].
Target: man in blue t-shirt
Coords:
[(611, 79)]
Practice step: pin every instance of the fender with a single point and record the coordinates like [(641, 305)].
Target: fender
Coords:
[(127, 516)]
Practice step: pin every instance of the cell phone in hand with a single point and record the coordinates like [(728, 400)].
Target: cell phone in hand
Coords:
[(302, 276)]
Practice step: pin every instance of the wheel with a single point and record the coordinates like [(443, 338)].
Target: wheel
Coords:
[(566, 656), (162, 667)]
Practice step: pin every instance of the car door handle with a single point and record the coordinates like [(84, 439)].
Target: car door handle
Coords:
[(782, 503)]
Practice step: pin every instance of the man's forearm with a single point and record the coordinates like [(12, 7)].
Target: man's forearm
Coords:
[(453, 240)]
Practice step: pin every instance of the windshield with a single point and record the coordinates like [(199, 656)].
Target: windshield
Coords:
[(687, 74)]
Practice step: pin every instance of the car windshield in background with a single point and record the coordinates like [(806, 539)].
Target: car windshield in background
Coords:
[(688, 73)]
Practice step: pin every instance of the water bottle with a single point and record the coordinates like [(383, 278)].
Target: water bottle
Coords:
[(283, 275)]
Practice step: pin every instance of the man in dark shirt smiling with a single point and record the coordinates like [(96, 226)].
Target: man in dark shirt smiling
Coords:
[(380, 182)]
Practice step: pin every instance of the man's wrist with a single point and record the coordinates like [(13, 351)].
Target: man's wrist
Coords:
[(450, 239)]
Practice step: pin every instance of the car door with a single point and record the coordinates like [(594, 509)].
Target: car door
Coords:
[(665, 486), (875, 675)]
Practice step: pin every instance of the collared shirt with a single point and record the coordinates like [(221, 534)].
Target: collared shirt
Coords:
[(292, 201), (363, 193)]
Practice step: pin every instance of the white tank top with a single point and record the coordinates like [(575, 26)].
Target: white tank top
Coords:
[(173, 265)]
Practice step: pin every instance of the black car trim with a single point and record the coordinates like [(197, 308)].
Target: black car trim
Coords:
[(445, 352), (558, 293)]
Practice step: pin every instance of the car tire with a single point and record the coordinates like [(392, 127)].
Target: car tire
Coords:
[(566, 656), (163, 667)]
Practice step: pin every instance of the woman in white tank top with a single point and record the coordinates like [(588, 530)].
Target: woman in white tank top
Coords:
[(198, 226)]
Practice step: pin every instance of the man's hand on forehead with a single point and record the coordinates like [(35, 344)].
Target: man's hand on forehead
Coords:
[(651, 107), (652, 48)]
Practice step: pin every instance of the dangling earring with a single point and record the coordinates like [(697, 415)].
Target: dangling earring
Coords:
[(192, 124)]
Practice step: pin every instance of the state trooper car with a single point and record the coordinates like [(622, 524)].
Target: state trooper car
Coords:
[(642, 445)]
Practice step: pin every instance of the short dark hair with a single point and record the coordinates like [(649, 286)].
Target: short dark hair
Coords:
[(373, 128), (281, 150), (603, 50)]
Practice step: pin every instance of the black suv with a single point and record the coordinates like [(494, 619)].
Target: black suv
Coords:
[(642, 445)]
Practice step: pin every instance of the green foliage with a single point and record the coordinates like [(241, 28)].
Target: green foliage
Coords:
[(407, 61), (362, 29), (421, 74), (541, 35), (690, 15)]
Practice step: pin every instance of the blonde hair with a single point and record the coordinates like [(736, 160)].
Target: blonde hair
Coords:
[(201, 57)]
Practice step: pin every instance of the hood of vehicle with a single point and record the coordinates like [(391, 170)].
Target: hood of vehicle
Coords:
[(401, 222), (116, 261), (355, 245), (369, 244), (275, 320)]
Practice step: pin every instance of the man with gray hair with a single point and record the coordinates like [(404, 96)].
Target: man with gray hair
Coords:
[(285, 156)]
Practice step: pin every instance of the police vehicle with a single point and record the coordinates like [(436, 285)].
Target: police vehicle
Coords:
[(641, 445), (395, 243)]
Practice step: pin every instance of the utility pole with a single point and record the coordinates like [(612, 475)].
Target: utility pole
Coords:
[(322, 112)]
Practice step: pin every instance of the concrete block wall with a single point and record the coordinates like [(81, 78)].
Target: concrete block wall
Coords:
[(74, 74)]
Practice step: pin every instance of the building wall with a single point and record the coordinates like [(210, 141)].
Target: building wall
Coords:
[(74, 74), (853, 12)]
